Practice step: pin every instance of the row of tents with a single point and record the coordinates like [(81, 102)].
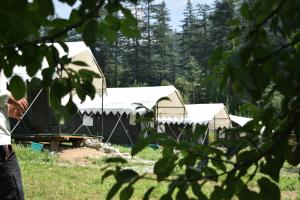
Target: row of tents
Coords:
[(114, 113)]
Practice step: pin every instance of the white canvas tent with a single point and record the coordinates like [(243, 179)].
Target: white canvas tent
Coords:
[(124, 101), (214, 115), (77, 51)]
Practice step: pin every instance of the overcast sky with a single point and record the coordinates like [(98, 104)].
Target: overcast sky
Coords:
[(175, 7)]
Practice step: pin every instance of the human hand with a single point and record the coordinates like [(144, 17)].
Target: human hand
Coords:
[(21, 104), (14, 112)]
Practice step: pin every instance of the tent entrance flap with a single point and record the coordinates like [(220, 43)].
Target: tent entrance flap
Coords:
[(125, 130)]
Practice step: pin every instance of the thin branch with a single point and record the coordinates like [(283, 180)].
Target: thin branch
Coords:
[(276, 52), (204, 178), (78, 24), (214, 158), (276, 10), (281, 136)]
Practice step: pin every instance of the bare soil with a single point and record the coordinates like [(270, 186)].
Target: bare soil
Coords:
[(80, 156), (85, 156)]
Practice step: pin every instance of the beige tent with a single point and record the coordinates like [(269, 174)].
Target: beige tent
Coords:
[(78, 51), (39, 101)]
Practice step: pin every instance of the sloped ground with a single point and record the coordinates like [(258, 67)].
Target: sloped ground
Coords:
[(48, 178), (86, 156), (80, 156)]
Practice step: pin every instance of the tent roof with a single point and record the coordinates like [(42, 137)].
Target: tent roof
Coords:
[(239, 120), (126, 100), (78, 51), (74, 48), (199, 114)]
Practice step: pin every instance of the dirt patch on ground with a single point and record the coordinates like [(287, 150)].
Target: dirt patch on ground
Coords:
[(86, 156), (289, 195), (80, 156)]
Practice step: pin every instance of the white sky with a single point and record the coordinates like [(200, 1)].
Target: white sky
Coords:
[(175, 8)]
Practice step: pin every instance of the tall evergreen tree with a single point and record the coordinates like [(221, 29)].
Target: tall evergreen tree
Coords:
[(163, 49), (203, 38), (188, 33), (223, 11), (148, 10)]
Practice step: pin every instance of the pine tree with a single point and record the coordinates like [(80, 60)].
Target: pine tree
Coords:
[(203, 39), (163, 54), (223, 11), (188, 33)]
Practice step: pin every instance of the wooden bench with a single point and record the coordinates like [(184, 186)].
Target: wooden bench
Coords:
[(54, 140)]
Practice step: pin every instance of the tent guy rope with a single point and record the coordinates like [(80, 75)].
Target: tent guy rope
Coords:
[(35, 98)]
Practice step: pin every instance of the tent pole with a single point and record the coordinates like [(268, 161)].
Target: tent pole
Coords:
[(102, 114), (205, 136), (215, 127), (156, 116)]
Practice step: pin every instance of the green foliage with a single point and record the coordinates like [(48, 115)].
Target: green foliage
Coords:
[(116, 160), (268, 189), (29, 29), (90, 32), (162, 56), (17, 87), (259, 61)]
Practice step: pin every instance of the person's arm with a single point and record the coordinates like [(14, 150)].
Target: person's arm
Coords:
[(15, 107), (4, 96), (7, 98), (4, 93)]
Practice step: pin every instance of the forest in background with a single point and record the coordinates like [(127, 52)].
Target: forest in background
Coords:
[(162, 56)]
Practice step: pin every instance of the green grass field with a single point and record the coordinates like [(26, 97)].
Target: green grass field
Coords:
[(45, 178)]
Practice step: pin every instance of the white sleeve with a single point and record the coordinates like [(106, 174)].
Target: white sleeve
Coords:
[(4, 93)]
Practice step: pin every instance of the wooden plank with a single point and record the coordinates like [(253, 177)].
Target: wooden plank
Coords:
[(53, 139)]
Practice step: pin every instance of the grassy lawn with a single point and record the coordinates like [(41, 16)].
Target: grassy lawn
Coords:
[(44, 177)]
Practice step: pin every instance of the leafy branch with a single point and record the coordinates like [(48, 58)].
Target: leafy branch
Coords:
[(78, 24), (271, 15), (276, 52)]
